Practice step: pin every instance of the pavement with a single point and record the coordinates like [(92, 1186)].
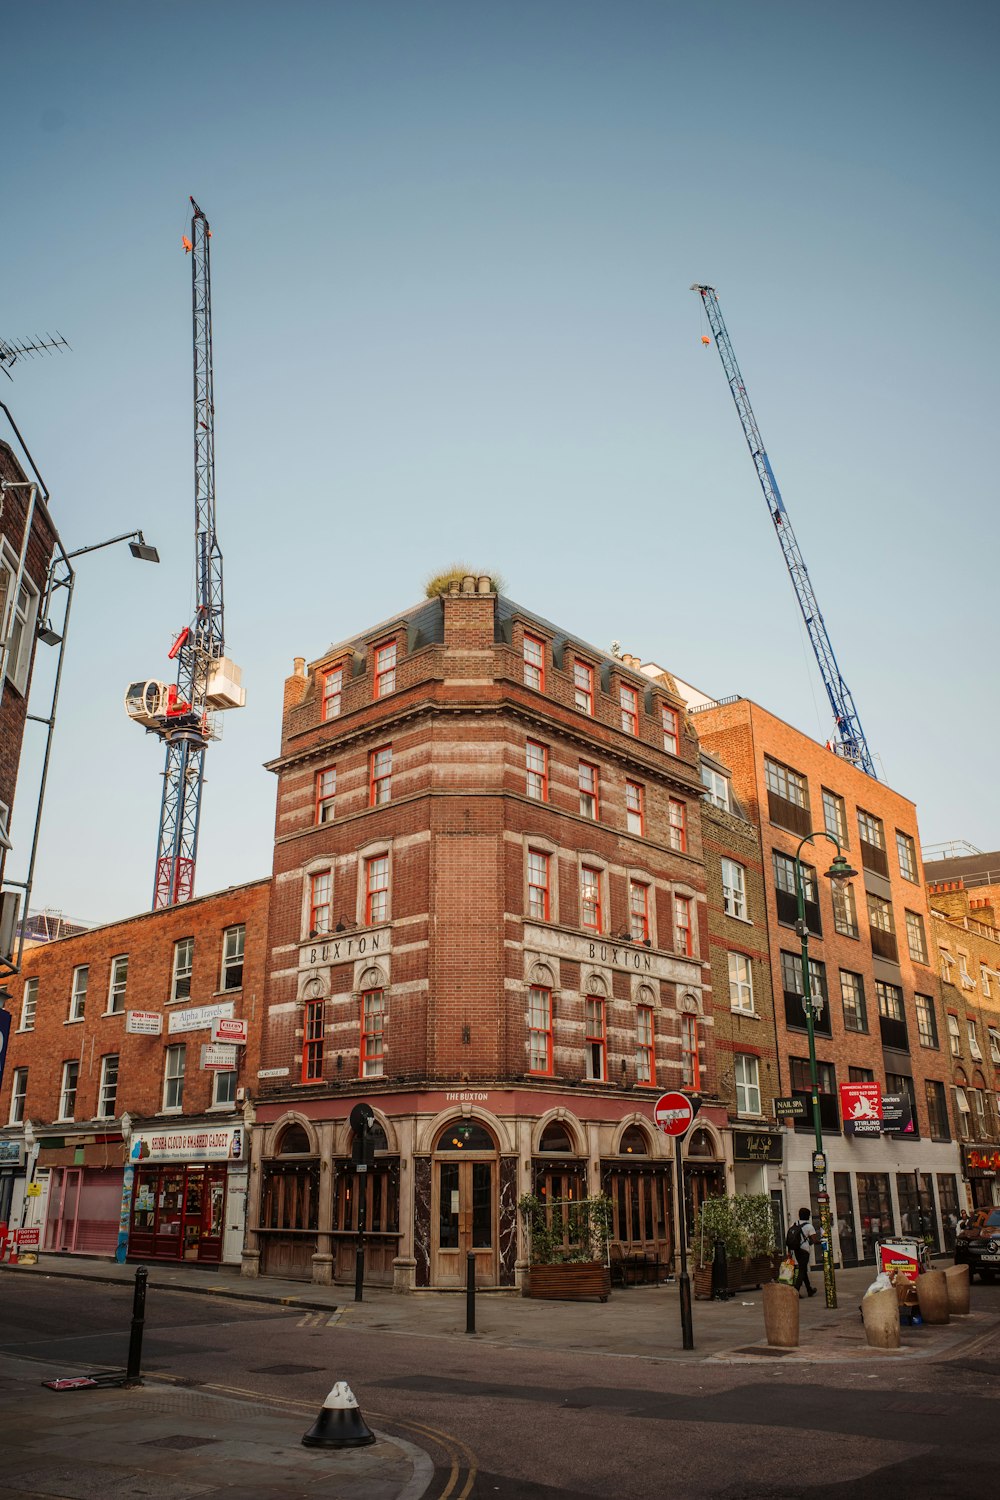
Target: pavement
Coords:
[(169, 1440)]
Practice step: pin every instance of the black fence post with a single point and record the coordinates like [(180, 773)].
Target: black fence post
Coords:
[(470, 1293), (132, 1375)]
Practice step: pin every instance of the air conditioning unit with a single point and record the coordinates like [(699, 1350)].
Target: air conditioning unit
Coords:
[(241, 1095)]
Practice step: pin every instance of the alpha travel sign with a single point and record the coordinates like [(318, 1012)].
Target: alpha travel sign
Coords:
[(143, 1022), (199, 1018)]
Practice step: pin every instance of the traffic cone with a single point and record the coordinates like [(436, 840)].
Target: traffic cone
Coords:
[(340, 1423)]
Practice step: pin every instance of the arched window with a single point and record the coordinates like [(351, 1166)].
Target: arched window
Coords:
[(634, 1142), (701, 1144), (555, 1137), (293, 1142), (376, 1134), (465, 1135)]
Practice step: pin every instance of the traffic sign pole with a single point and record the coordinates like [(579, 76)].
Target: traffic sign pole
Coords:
[(674, 1114), (684, 1281)]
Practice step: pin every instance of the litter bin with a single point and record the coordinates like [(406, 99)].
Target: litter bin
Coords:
[(781, 1315), (957, 1281), (880, 1313), (932, 1295)]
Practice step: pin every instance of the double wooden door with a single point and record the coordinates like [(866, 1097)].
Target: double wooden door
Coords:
[(463, 1219)]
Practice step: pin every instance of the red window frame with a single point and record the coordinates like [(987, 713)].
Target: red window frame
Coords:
[(326, 792), (312, 1041), (583, 686), (380, 776), (683, 936), (638, 910), (372, 1063), (677, 832), (595, 1033), (628, 702), (385, 669), (635, 812), (588, 780), (536, 770), (538, 881), (333, 688), (590, 904), (690, 1064), (540, 1026), (671, 729), (533, 653), (376, 889), (320, 901), (645, 1047)]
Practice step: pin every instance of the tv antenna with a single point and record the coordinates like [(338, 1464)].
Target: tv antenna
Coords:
[(20, 348)]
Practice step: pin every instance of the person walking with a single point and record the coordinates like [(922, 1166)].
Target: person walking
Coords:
[(800, 1238)]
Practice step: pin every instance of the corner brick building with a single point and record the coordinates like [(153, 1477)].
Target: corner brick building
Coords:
[(488, 922), (115, 1105), (870, 961)]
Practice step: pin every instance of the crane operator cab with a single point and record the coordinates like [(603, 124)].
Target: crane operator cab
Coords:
[(146, 702)]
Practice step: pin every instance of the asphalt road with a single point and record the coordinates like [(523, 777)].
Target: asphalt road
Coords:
[(552, 1425)]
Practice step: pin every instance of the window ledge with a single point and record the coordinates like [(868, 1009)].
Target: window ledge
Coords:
[(74, 1021), (228, 994), (736, 918), (750, 1015), (24, 1031), (174, 1109), (218, 1109)]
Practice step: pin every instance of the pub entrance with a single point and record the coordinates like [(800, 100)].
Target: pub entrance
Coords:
[(641, 1193), (463, 1205)]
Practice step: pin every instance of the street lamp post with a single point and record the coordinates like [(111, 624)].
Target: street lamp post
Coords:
[(838, 874)]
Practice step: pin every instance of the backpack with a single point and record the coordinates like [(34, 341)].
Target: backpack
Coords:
[(793, 1239)]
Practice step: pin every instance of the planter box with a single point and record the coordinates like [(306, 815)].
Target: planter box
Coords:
[(742, 1275), (571, 1282)]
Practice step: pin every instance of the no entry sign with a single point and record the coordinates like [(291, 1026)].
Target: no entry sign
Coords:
[(673, 1113)]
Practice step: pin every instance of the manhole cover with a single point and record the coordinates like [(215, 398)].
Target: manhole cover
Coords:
[(285, 1369), (179, 1440)]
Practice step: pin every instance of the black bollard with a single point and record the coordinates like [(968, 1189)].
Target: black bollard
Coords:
[(132, 1375), (470, 1293), (720, 1273)]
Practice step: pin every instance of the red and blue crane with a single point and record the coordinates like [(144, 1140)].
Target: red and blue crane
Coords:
[(181, 714), (850, 737)]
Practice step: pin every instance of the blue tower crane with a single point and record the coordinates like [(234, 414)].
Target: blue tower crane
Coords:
[(207, 681), (850, 737)]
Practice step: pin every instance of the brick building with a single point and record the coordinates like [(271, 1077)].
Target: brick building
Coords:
[(965, 939), (870, 961), (114, 1103), (488, 922), (27, 540)]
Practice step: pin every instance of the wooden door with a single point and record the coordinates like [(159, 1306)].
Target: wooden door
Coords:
[(463, 1219)]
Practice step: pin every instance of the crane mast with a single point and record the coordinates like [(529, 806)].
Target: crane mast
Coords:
[(851, 742), (180, 714)]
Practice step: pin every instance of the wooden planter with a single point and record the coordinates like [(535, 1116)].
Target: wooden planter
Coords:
[(570, 1282), (742, 1275)]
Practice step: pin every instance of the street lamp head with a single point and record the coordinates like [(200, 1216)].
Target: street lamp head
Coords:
[(840, 871), (143, 551)]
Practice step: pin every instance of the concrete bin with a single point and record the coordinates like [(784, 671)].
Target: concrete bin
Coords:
[(932, 1296), (880, 1313), (957, 1280), (781, 1315)]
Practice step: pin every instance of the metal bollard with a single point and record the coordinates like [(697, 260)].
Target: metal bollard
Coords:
[(470, 1293), (132, 1375)]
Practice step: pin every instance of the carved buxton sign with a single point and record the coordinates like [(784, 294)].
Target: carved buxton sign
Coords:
[(344, 948), (634, 958)]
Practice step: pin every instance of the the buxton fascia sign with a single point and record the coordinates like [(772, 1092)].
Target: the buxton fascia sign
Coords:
[(633, 958), (342, 948)]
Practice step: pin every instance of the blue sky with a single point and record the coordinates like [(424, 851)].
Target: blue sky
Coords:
[(452, 247)]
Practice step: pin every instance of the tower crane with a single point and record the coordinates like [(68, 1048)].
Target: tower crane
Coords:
[(850, 742), (181, 713)]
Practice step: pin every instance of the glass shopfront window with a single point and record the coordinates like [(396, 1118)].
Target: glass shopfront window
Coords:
[(875, 1208), (178, 1213)]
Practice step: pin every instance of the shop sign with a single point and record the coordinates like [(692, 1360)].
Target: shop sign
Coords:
[(218, 1057), (199, 1018), (231, 1029), (143, 1022), (633, 958), (861, 1107), (11, 1153), (342, 950), (796, 1107), (762, 1146), (984, 1161), (222, 1144)]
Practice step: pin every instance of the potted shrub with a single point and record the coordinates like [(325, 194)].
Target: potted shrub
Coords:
[(567, 1247), (745, 1226)]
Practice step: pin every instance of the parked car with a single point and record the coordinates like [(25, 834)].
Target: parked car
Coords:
[(978, 1245)]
